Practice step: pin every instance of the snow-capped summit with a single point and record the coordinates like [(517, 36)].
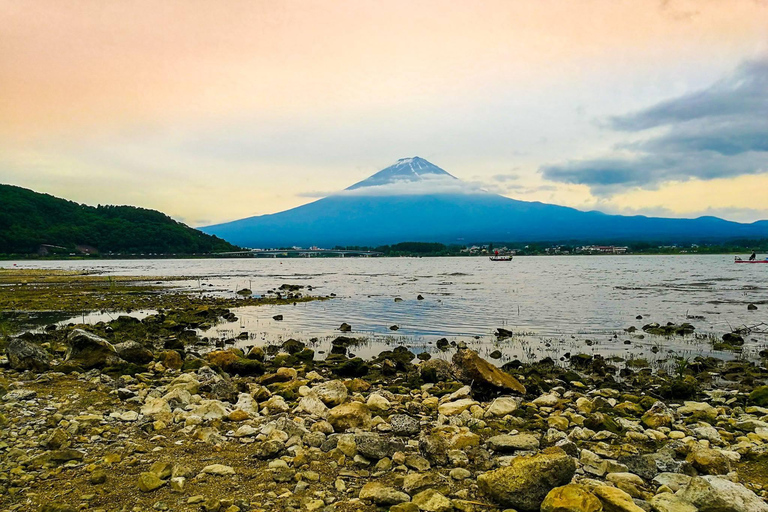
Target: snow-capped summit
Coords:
[(405, 169)]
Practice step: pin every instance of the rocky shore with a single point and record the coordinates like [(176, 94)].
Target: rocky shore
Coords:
[(136, 415)]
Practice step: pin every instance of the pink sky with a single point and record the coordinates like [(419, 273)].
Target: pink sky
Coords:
[(215, 110)]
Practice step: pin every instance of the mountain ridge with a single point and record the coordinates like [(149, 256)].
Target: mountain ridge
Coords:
[(450, 217), (31, 221)]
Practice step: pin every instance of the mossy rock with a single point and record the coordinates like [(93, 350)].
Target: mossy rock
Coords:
[(759, 396), (679, 388), (352, 368)]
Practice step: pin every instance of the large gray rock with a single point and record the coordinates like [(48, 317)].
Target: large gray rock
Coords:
[(88, 350), (25, 355), (717, 494), (525, 483), (372, 446)]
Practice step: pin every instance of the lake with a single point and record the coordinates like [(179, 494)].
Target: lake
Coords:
[(554, 304)]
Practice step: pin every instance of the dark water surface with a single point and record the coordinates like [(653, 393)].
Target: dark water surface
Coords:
[(555, 304)]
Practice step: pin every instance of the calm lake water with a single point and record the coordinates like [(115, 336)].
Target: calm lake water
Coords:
[(555, 304)]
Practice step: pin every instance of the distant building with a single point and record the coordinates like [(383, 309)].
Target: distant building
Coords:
[(603, 249)]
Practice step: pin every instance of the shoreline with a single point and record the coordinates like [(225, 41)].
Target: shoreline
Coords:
[(147, 415)]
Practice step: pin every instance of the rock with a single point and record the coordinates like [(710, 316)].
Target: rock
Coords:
[(659, 415), (372, 446), (460, 473), (414, 483), (345, 327), (674, 481), (349, 415), (156, 407), (134, 352), (483, 375), (432, 501), (759, 396), (615, 500), (332, 392), (751, 307), (718, 494), (510, 443), (502, 406), (311, 404), (404, 425), (149, 482), (571, 498), (90, 351), (525, 483), (456, 407), (709, 461), (377, 403), (437, 370), (256, 353), (381, 495), (668, 502), (217, 470), (25, 355)]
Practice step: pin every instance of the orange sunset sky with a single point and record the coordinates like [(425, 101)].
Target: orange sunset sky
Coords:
[(216, 110)]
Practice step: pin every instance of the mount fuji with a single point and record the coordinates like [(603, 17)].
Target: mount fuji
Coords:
[(414, 200)]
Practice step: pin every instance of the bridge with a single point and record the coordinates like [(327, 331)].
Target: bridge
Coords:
[(303, 253)]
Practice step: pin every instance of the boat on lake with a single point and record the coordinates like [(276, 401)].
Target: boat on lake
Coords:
[(500, 258), (739, 260)]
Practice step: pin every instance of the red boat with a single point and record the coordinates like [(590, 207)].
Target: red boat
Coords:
[(739, 260)]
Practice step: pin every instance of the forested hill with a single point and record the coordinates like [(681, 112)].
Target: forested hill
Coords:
[(31, 222)]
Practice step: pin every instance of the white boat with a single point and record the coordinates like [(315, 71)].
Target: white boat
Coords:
[(500, 258)]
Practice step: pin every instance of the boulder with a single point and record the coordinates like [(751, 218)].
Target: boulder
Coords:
[(571, 498), (525, 483), (134, 352), (87, 350), (483, 375), (349, 415), (25, 355), (717, 494)]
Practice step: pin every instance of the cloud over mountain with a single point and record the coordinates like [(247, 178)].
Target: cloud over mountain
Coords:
[(720, 131)]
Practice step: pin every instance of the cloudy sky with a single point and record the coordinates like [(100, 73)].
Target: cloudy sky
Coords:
[(213, 110)]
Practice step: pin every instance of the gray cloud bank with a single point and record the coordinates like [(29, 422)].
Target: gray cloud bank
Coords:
[(717, 132)]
